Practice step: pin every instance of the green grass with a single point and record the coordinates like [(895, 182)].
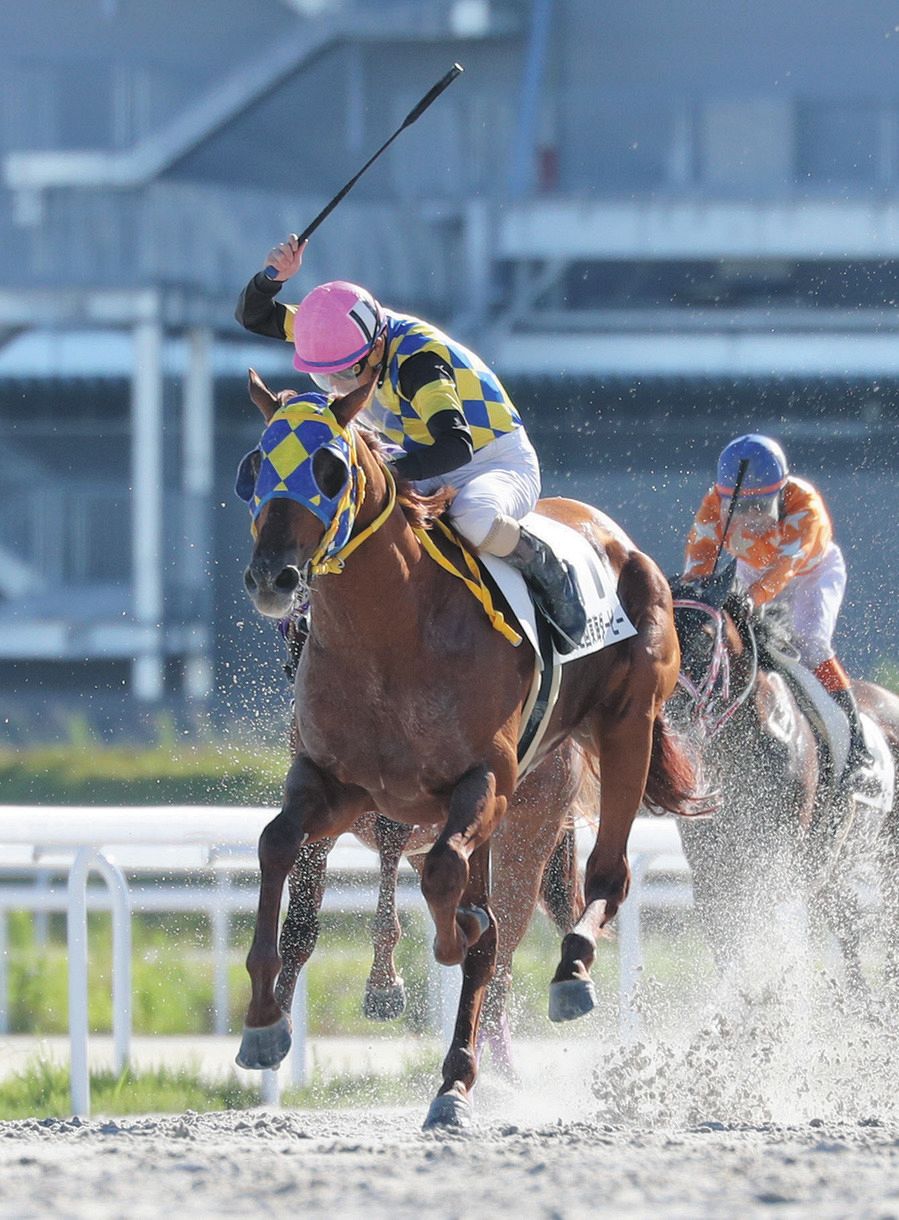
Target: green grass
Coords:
[(44, 1089), (172, 975), (171, 771)]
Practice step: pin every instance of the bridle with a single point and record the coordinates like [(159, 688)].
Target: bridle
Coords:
[(714, 689)]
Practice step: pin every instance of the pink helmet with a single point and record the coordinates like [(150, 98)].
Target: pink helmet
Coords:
[(334, 327)]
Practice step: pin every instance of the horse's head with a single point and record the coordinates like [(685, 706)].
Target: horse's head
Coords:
[(710, 617), (304, 486), (699, 607)]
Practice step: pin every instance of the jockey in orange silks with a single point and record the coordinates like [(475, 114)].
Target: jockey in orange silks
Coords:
[(447, 415), (782, 539)]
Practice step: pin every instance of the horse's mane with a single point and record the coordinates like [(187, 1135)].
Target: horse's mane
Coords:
[(421, 511)]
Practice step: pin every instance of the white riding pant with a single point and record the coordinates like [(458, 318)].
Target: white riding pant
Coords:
[(813, 599), (502, 480)]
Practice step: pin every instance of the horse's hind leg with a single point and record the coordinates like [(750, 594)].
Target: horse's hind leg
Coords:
[(299, 932), (315, 807), (385, 993), (624, 751), (450, 1108)]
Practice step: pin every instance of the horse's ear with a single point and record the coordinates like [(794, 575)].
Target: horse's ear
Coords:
[(265, 399), (347, 408), (267, 402)]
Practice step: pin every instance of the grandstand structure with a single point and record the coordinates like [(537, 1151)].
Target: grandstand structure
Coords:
[(693, 196)]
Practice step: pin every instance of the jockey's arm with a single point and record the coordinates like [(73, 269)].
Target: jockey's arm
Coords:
[(259, 312), (806, 535), (704, 537), (774, 581), (426, 380)]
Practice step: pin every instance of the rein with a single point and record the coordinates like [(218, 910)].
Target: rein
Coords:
[(475, 584), (322, 562), (716, 683)]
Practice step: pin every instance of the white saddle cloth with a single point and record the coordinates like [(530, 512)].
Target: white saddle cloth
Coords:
[(607, 622)]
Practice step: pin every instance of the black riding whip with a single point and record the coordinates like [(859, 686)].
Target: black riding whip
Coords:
[(416, 112), (738, 483)]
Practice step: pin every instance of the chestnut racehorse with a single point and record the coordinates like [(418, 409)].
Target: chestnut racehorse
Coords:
[(411, 704)]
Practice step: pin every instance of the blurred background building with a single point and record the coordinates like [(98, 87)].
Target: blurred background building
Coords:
[(663, 223)]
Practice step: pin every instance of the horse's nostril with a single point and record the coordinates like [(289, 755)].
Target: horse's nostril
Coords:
[(249, 581), (287, 580)]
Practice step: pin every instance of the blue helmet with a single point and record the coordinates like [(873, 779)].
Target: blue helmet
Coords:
[(766, 470)]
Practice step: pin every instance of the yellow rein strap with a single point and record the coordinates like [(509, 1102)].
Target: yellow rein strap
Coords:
[(476, 587), (335, 563)]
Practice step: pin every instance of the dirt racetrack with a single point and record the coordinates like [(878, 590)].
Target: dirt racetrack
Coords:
[(775, 1094), (376, 1164)]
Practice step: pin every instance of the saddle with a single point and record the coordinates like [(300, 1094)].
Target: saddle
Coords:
[(778, 653), (607, 620)]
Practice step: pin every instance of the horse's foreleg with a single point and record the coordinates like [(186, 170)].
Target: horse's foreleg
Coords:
[(624, 751), (315, 807), (474, 811), (385, 994), (299, 932), (451, 1106)]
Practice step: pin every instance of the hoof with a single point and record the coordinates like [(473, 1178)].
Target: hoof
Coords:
[(570, 999), (479, 915), (384, 1003), (264, 1047), (447, 1110)]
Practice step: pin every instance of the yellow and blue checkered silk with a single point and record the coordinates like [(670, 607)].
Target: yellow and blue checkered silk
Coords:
[(488, 410), (282, 467)]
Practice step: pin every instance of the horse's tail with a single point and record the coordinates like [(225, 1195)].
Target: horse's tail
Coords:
[(671, 786)]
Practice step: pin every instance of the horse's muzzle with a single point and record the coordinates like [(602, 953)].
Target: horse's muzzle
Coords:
[(272, 593)]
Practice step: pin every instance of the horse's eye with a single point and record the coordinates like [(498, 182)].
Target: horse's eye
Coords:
[(329, 472)]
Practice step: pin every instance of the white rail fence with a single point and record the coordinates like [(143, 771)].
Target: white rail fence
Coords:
[(120, 843)]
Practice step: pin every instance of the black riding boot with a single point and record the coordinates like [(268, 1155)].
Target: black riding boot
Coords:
[(859, 756), (555, 589)]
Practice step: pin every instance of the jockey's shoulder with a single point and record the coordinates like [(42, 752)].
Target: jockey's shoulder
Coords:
[(798, 491)]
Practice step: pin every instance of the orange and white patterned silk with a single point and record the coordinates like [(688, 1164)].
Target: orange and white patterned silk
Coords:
[(778, 552)]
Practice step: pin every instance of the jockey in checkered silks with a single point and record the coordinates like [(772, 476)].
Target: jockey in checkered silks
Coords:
[(446, 414)]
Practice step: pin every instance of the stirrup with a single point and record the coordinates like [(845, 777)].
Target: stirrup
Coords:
[(564, 640)]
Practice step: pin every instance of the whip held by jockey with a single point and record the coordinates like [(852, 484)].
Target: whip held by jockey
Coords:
[(446, 414), (781, 536)]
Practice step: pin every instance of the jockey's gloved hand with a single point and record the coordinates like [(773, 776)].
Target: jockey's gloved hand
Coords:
[(743, 604)]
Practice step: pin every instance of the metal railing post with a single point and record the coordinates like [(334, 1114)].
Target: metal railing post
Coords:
[(76, 932), (121, 957), (87, 858)]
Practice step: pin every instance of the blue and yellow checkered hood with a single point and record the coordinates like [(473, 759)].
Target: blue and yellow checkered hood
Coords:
[(281, 466)]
